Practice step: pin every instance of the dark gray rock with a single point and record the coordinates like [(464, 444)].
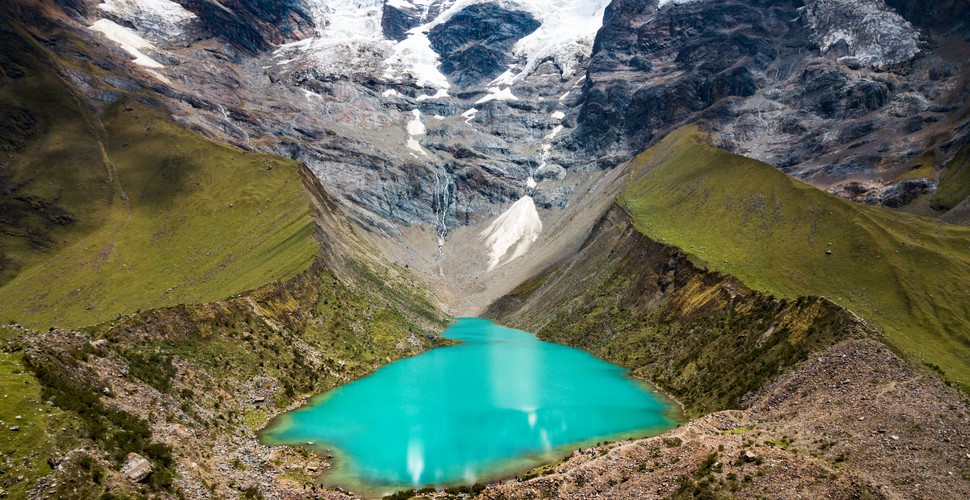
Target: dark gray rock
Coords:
[(901, 194), (253, 25), (475, 43)]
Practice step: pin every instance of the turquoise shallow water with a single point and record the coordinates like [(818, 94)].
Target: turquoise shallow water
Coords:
[(500, 401)]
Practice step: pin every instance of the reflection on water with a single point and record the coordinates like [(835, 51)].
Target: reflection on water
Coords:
[(459, 414)]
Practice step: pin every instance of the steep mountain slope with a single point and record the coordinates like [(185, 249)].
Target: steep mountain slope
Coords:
[(152, 193), (216, 288), (55, 183), (906, 275), (795, 395), (430, 119), (191, 221), (850, 422), (846, 95)]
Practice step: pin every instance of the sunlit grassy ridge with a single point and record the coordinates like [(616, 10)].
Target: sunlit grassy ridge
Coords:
[(907, 275), (189, 221)]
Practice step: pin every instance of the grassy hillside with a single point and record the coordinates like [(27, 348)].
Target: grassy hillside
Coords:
[(190, 221), (703, 337), (954, 183), (54, 182), (907, 275)]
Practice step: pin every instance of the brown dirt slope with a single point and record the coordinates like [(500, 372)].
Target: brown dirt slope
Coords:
[(851, 421)]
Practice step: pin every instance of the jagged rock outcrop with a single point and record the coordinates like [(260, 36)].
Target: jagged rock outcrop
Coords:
[(830, 91), (474, 44), (254, 25)]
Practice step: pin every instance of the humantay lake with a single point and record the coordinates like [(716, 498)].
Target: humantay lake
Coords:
[(500, 402)]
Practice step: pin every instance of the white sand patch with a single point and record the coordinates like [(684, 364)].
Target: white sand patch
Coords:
[(129, 41), (558, 115), (511, 235), (469, 115), (531, 182), (390, 93)]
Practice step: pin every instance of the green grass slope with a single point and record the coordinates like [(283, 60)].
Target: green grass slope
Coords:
[(954, 183), (191, 221), (907, 275), (54, 182)]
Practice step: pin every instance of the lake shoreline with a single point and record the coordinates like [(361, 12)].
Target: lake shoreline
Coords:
[(525, 401)]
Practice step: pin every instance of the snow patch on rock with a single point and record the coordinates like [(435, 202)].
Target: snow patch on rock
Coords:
[(511, 235), (129, 41), (348, 38), (867, 31), (440, 94), (565, 35), (496, 94), (555, 131), (415, 127), (413, 57), (161, 19), (676, 2)]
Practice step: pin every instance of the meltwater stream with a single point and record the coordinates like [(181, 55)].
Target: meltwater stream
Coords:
[(499, 402)]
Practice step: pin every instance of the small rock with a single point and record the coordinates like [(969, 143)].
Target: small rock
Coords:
[(894, 437), (748, 456), (15, 428), (18, 417), (259, 399), (136, 467), (828, 252)]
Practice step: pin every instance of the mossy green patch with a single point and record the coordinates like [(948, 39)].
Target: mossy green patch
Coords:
[(954, 182), (908, 275), (191, 221), (24, 451)]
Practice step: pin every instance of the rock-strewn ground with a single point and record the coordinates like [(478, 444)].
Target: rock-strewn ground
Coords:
[(853, 420)]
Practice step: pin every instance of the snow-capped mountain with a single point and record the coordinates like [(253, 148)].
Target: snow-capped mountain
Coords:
[(449, 114)]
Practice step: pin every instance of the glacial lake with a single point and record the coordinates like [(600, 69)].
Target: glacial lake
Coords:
[(499, 403)]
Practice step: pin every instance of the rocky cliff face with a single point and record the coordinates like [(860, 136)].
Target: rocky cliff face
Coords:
[(439, 115), (832, 92), (475, 44)]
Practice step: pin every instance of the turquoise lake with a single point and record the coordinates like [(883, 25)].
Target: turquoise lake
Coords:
[(498, 403)]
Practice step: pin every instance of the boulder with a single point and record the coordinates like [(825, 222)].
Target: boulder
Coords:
[(136, 467)]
